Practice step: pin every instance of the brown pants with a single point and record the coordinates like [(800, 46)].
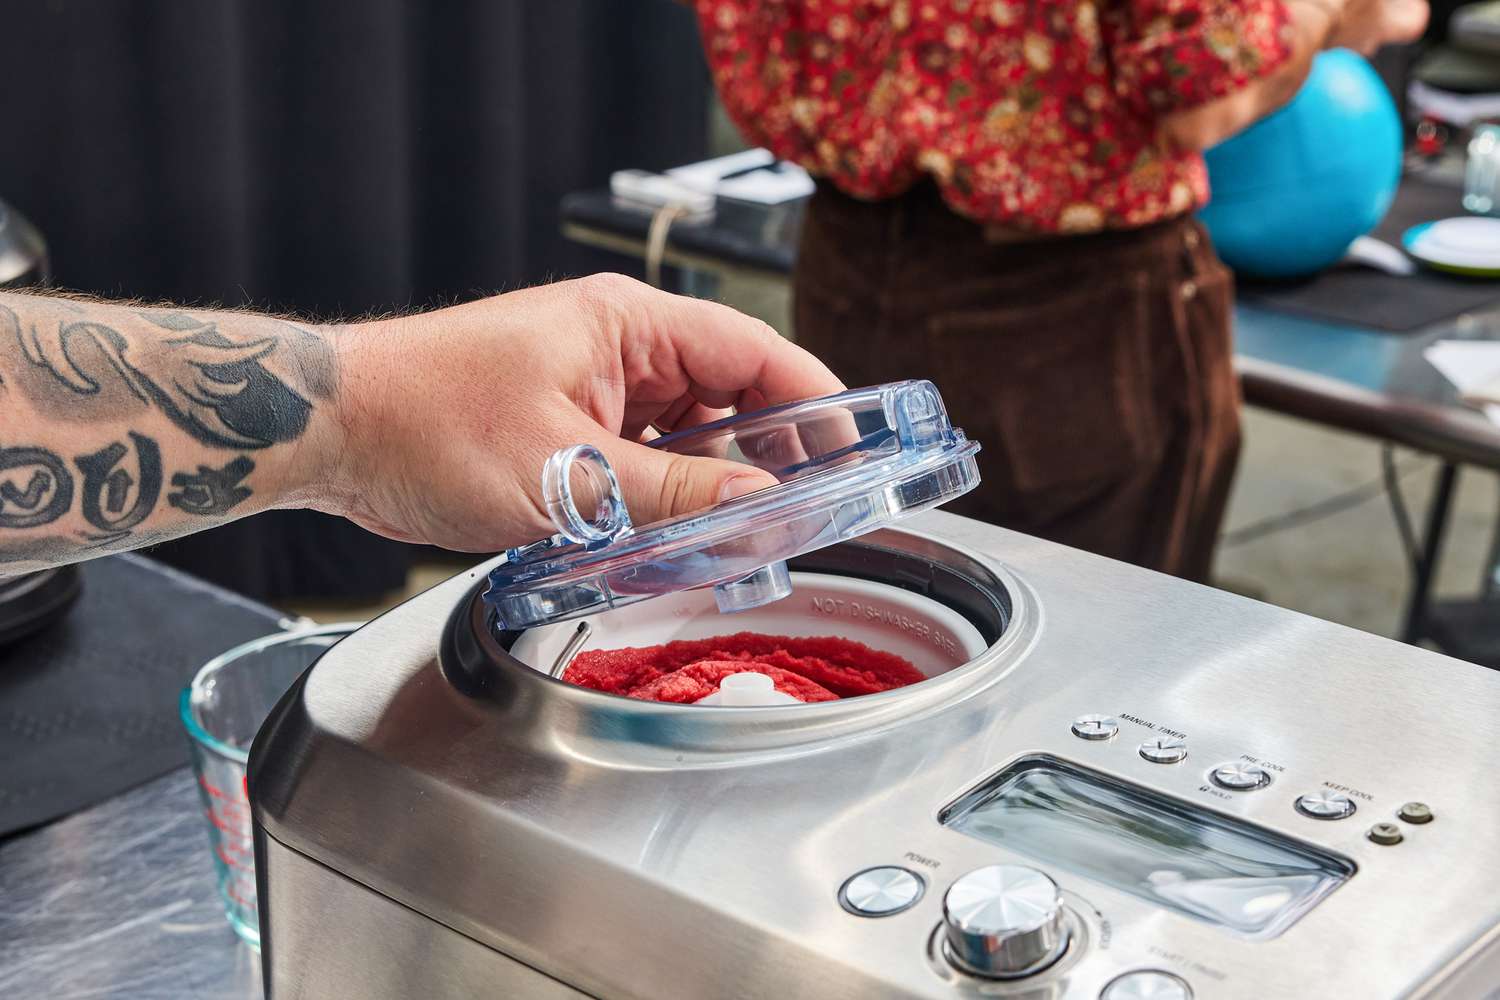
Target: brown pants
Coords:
[(1096, 371)]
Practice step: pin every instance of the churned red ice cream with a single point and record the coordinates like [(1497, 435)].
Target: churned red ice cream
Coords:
[(822, 668)]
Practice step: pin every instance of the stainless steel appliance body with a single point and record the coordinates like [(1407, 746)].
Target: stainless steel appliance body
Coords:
[(23, 252), (1142, 788)]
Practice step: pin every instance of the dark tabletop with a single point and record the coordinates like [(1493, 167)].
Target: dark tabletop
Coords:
[(756, 237), (119, 899)]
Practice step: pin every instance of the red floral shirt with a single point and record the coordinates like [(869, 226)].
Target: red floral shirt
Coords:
[(1034, 114)]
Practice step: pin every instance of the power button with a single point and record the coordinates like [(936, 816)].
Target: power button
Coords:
[(881, 892)]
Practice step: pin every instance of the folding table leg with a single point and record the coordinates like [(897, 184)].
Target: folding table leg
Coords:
[(1432, 549)]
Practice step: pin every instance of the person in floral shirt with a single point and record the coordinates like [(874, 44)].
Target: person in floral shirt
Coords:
[(1004, 205)]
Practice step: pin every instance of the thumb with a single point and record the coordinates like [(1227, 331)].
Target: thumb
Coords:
[(659, 485), (1405, 20)]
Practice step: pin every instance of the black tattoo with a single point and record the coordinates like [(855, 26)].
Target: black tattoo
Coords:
[(214, 386), (314, 360), (31, 497), (211, 491), (106, 487), (36, 488), (223, 388)]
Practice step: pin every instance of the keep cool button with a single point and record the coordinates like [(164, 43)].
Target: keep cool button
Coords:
[(880, 892), (1147, 984), (1325, 805)]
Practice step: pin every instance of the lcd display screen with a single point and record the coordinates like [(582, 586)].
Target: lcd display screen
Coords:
[(1222, 871)]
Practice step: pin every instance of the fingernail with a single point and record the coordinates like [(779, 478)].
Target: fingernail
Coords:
[(738, 486)]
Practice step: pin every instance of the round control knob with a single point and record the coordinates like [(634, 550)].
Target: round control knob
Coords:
[(1239, 777), (1325, 805), (1004, 921)]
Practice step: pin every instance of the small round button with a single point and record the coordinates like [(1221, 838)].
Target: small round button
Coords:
[(880, 892), (1239, 777), (1385, 833), (1147, 984), (1325, 805), (1095, 726), (1415, 812), (1164, 750)]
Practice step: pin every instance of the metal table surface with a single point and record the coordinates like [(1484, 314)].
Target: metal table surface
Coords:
[(119, 901), (1366, 381)]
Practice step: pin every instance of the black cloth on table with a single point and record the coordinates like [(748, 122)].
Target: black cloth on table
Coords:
[(1363, 296), (331, 158), (88, 705)]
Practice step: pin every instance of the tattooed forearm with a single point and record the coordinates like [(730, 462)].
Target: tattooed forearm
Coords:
[(222, 389), (114, 421)]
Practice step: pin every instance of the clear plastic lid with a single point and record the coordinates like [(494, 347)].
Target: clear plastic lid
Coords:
[(845, 465)]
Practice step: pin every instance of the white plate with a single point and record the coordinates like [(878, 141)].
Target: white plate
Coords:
[(1466, 245)]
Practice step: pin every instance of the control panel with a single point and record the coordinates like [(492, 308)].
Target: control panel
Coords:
[(1009, 922)]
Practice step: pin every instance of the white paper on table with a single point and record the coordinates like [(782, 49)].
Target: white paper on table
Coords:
[(705, 175), (758, 177), (1473, 366), (787, 182)]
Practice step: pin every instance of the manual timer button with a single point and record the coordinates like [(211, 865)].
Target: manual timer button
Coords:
[(1164, 750)]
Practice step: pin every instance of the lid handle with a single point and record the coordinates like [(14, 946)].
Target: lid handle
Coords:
[(582, 473), (764, 586), (916, 411)]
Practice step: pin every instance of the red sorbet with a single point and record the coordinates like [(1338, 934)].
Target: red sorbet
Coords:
[(823, 668)]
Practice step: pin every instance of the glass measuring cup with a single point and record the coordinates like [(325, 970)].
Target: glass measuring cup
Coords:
[(1482, 172), (222, 708)]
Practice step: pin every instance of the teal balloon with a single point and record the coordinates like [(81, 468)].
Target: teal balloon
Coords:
[(1291, 192)]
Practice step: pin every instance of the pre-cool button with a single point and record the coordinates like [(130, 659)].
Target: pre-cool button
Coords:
[(1238, 777)]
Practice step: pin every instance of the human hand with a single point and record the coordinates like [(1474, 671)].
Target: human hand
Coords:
[(1366, 25), (448, 417)]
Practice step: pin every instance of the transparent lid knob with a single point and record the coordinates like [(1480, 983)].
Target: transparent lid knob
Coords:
[(845, 465)]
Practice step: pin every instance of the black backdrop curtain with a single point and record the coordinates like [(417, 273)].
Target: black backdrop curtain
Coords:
[(329, 157)]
